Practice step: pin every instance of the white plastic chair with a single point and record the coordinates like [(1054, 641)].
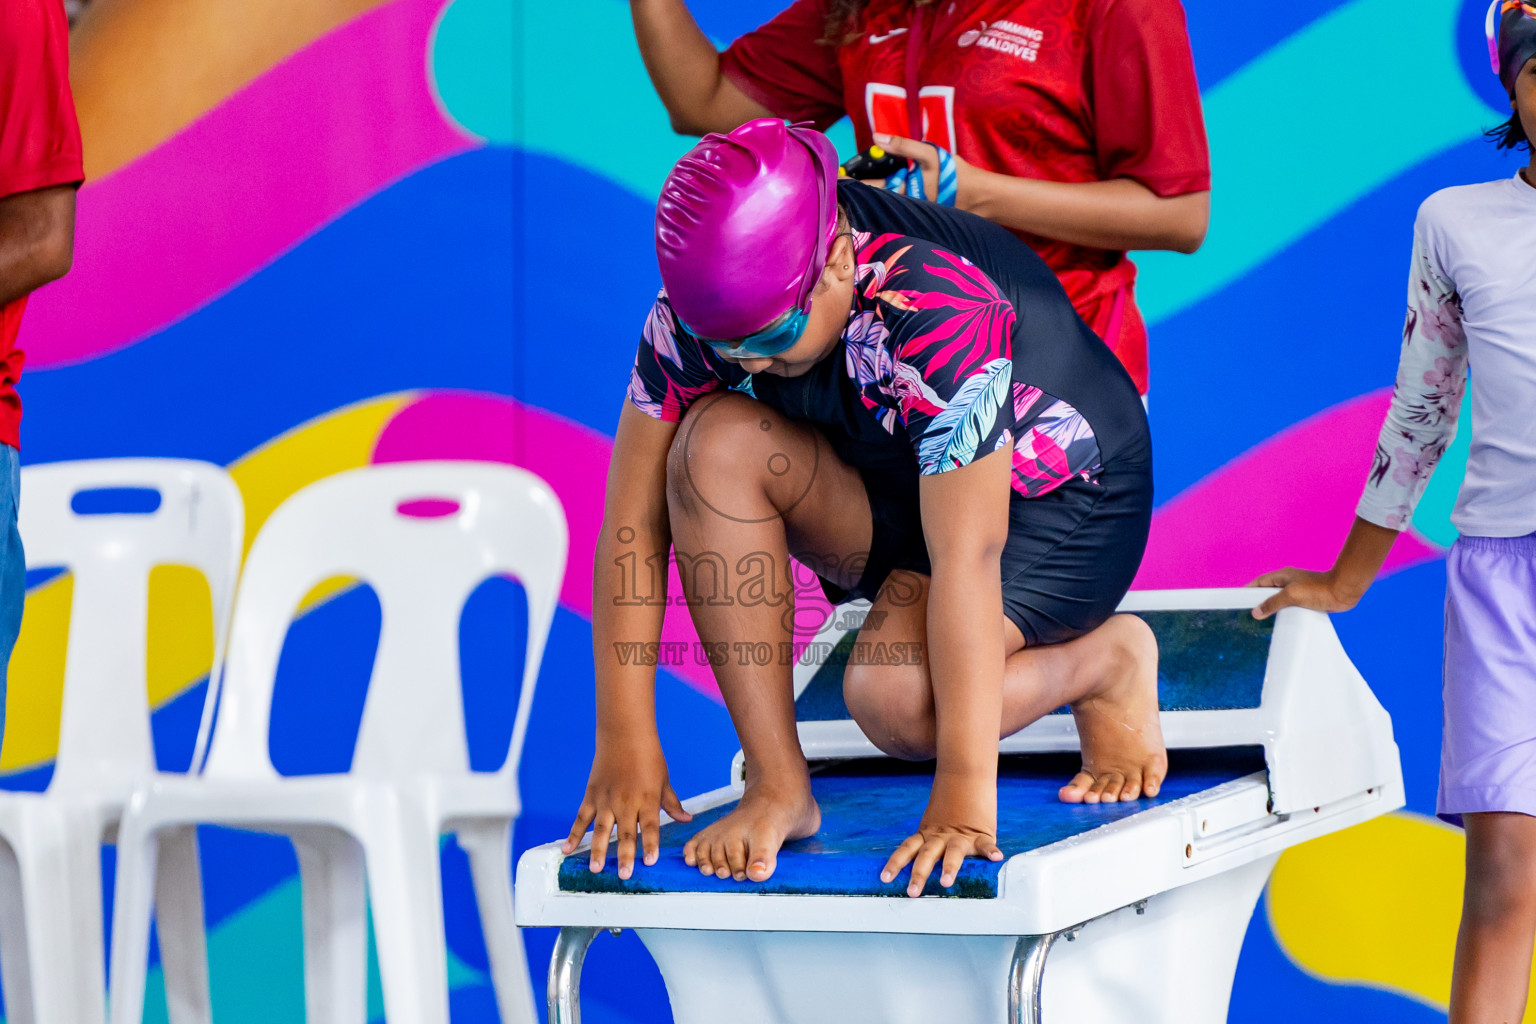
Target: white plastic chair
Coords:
[(50, 858), (410, 780)]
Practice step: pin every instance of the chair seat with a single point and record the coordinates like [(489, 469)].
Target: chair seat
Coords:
[(337, 800)]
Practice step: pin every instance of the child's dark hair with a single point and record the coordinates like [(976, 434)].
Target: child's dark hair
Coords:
[(1509, 135)]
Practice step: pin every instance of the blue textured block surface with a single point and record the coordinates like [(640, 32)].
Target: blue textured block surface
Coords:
[(869, 807), (1208, 660)]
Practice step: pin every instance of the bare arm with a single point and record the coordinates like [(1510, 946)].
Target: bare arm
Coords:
[(965, 516), (37, 239), (1117, 214), (628, 783), (685, 69), (1339, 589), (1420, 423)]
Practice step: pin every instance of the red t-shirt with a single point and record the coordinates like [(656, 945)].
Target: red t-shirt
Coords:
[(1061, 90), (39, 146)]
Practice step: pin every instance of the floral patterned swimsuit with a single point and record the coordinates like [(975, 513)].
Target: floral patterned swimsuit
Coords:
[(960, 340)]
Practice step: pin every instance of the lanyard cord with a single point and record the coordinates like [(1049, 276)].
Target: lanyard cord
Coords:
[(914, 54)]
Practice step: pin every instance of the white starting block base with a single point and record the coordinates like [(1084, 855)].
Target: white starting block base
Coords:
[(1169, 962), (1140, 919)]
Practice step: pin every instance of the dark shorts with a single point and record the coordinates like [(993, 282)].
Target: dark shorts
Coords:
[(1070, 558)]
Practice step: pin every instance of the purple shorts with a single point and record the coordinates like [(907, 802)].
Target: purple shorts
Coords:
[(1488, 756)]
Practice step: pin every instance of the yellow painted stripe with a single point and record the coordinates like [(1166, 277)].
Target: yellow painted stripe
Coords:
[(1376, 904), (180, 644), (144, 69), (34, 691)]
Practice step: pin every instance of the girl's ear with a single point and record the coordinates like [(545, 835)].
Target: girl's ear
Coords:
[(840, 264)]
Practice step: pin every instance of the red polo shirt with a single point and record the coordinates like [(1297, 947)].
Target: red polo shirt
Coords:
[(39, 146), (1061, 90)]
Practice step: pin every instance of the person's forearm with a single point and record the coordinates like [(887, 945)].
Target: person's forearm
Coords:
[(1118, 214), (1365, 550), (965, 655), (629, 590), (37, 232), (629, 578), (683, 64)]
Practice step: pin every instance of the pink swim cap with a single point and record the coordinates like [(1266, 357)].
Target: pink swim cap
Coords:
[(744, 225)]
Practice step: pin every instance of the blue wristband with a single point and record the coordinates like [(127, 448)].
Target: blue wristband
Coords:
[(909, 180)]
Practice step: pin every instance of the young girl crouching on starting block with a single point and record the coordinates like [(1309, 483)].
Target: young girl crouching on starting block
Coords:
[(900, 396), (1472, 299)]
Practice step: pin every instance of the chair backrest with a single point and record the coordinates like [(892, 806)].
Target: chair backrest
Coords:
[(492, 520), (104, 734)]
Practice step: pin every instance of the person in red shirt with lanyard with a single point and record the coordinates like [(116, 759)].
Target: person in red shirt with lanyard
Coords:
[(1077, 126), (40, 168)]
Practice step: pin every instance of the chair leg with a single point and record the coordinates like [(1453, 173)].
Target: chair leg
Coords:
[(489, 846), (15, 964), (179, 913), (132, 908), (405, 890), (61, 887), (335, 927), (40, 956)]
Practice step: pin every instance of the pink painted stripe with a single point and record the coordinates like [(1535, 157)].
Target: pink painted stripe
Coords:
[(571, 458), (333, 124), (1288, 501)]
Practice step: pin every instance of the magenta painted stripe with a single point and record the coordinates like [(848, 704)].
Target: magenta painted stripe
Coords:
[(314, 136), (1287, 501), (571, 458)]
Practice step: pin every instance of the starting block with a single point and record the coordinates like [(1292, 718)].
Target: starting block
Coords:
[(1274, 738)]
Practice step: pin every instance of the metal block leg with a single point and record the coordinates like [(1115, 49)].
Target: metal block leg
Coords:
[(565, 974), (1024, 978)]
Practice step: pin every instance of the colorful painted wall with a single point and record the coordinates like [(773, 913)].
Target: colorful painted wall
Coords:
[(325, 233)]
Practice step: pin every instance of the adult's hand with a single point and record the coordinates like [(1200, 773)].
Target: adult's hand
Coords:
[(926, 156)]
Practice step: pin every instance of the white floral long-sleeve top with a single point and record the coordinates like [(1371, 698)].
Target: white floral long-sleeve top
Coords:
[(1431, 376), (1471, 301)]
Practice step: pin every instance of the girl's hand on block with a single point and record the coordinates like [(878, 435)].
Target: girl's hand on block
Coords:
[(1305, 588), (946, 837), (628, 788)]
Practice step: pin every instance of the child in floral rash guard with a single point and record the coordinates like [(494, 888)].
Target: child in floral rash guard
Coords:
[(935, 371), (1472, 309), (900, 397), (928, 347)]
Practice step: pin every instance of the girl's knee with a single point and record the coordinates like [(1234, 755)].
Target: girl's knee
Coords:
[(893, 705), (1501, 873), (708, 446)]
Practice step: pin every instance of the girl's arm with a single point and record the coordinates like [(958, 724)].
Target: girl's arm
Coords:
[(685, 69), (1339, 589), (628, 784), (1420, 425), (965, 516)]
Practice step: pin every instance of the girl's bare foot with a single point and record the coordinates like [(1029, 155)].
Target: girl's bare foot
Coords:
[(1122, 738), (745, 843)]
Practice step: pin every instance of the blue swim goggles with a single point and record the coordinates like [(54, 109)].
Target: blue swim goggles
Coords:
[(779, 336)]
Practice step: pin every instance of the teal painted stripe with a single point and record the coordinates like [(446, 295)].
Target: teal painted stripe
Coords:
[(1297, 134), (1326, 116), (256, 966), (586, 98)]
